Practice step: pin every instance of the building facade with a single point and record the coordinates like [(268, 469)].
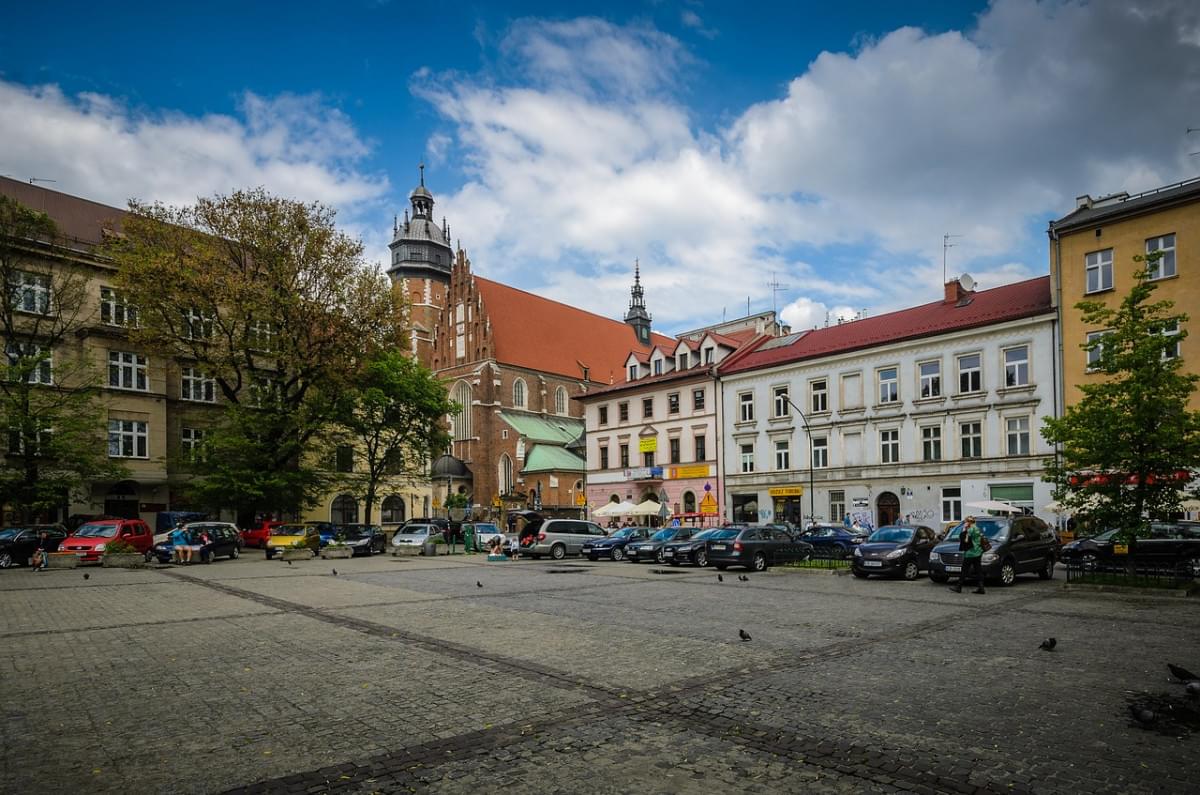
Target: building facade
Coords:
[(909, 415)]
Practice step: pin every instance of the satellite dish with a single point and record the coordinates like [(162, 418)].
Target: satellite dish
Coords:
[(966, 282)]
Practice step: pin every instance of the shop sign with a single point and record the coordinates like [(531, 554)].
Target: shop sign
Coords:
[(694, 471), (648, 444), (786, 491), (644, 473)]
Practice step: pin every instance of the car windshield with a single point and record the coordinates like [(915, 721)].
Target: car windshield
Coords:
[(991, 529), (9, 533), (208, 528), (288, 530), (895, 535), (97, 531), (624, 532), (1107, 535), (416, 530), (666, 534), (704, 535), (486, 528)]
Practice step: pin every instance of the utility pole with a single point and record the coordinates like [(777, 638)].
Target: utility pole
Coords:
[(946, 246)]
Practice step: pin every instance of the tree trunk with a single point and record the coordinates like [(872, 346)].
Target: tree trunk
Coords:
[(370, 502)]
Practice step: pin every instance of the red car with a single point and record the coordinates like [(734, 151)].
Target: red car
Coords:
[(257, 536), (89, 540)]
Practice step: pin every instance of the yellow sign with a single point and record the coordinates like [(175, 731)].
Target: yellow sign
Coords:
[(786, 491), (581, 499), (695, 471), (648, 444), (496, 501), (1120, 549), (708, 504)]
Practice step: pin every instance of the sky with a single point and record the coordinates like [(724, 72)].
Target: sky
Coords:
[(805, 156)]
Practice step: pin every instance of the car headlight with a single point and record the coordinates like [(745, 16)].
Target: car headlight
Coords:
[(896, 553), (857, 552), (100, 547), (935, 557), (990, 557)]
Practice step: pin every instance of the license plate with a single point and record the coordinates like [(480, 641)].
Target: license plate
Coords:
[(670, 553), (720, 547), (873, 563), (954, 568), (81, 554)]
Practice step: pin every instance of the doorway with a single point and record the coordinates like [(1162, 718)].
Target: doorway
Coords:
[(887, 508), (121, 501)]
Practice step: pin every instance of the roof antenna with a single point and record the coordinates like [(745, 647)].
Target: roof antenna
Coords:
[(33, 180), (775, 288), (422, 168), (946, 246)]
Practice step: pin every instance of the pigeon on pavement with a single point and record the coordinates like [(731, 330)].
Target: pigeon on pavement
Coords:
[(288, 562), (1143, 715), (86, 576), (478, 584), (1048, 644), (744, 635), (743, 578), (720, 578), (334, 572)]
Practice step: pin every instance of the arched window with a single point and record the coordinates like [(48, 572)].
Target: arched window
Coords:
[(506, 474), (519, 393), (344, 510), (689, 502), (461, 422), (393, 510), (560, 401)]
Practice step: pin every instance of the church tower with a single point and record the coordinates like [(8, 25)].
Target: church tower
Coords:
[(637, 316), (422, 257)]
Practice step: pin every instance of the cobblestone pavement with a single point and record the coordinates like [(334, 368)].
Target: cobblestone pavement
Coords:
[(401, 674)]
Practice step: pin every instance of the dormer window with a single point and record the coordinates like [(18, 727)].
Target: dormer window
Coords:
[(708, 355), (681, 361), (633, 372), (658, 363)]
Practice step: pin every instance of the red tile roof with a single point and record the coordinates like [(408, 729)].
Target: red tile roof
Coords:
[(540, 334), (984, 308)]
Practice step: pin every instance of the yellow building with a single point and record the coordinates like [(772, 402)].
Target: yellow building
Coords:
[(1091, 258)]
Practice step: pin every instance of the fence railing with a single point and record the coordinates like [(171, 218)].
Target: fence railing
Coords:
[(1139, 576), (824, 558)]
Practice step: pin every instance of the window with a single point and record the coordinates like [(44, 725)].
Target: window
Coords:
[(889, 385), (190, 444), (681, 361), (560, 401), (624, 450), (747, 453), (42, 439), (971, 435), (195, 385), (29, 292), (1095, 348), (633, 372), (1164, 266), (344, 510), (1016, 366), (604, 415), (647, 408), (697, 399), (952, 504), (343, 458), (1018, 435), (648, 459), (127, 439), (658, 366), (604, 457), (460, 423), (689, 502), (262, 391), (27, 358), (970, 377), (506, 474), (623, 412), (197, 325), (259, 335), (746, 403), (889, 447), (837, 506), (701, 451), (674, 443), (115, 309), (519, 393), (782, 409), (931, 379), (783, 454), (1099, 268), (708, 355), (127, 371), (673, 403), (852, 391), (931, 443), (820, 452), (818, 393), (392, 510), (1171, 349)]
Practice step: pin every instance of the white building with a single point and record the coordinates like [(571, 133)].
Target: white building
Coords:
[(913, 414)]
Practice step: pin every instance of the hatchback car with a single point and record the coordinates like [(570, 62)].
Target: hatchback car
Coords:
[(832, 540), (1020, 545), (17, 544), (294, 536), (363, 539), (894, 550), (694, 550), (257, 536), (485, 533), (652, 548), (757, 548), (224, 540), (557, 537), (90, 540), (414, 534), (613, 546)]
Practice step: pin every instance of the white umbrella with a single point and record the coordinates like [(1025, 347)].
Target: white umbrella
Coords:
[(647, 508), (621, 509), (605, 509), (993, 505)]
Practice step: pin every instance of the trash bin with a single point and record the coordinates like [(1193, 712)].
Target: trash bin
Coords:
[(429, 549), (468, 531)]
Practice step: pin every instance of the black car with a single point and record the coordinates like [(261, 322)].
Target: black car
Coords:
[(833, 540), (695, 549), (613, 546), (17, 544), (224, 540), (1165, 545), (894, 550), (363, 539), (756, 548), (1020, 545), (652, 547)]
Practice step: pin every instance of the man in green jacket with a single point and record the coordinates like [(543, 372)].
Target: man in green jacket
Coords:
[(971, 544)]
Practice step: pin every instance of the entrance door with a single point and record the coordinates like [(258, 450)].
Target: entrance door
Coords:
[(122, 500), (887, 508)]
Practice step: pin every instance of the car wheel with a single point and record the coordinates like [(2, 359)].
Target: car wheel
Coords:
[(862, 575), (236, 553), (701, 558), (759, 563), (1046, 572), (911, 570), (940, 579), (1008, 573), (6, 560), (558, 552), (149, 559), (618, 554), (659, 558)]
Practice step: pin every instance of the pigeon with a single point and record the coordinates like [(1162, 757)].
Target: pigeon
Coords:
[(288, 562), (1143, 715), (334, 572), (720, 578), (1182, 674), (744, 635), (1193, 689), (478, 584), (743, 578), (87, 576), (1048, 644)]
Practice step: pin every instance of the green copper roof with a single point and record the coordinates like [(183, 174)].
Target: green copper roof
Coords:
[(548, 458), (556, 430)]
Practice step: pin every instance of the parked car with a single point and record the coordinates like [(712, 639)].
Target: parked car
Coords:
[(166, 521), (1168, 545), (90, 540), (613, 546), (894, 550), (833, 540), (224, 540), (257, 536), (326, 530), (1020, 545), (363, 539), (757, 548), (485, 533), (413, 534), (694, 550), (17, 544), (294, 536), (652, 548), (557, 537)]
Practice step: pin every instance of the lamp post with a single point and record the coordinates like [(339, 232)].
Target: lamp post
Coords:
[(812, 497)]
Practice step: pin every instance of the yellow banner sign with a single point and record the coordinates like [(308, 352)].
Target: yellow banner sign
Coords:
[(694, 471), (581, 499), (786, 491), (648, 444), (708, 504)]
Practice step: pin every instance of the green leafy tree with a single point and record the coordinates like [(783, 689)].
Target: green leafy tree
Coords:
[(1126, 447), (266, 297), (395, 418), (49, 401)]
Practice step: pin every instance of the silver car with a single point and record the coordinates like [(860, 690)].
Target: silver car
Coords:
[(558, 537), (415, 535)]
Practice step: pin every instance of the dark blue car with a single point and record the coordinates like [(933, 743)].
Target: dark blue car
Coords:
[(832, 540), (613, 546)]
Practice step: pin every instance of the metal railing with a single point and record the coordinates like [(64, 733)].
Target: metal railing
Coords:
[(824, 558), (1139, 576)]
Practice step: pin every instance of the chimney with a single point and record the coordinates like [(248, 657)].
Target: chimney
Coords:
[(955, 292), (1083, 202)]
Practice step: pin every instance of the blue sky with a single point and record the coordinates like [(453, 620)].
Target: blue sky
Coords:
[(724, 145)]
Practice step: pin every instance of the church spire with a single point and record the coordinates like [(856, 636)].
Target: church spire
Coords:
[(637, 316)]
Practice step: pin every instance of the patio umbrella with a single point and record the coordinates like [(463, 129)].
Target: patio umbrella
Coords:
[(605, 509), (993, 505), (621, 509), (647, 508)]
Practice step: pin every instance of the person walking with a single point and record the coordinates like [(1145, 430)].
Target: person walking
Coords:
[(41, 556), (970, 542)]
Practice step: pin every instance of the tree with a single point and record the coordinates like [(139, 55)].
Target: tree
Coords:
[(49, 402), (1127, 448), (395, 418), (265, 297)]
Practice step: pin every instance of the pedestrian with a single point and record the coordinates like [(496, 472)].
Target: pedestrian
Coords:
[(971, 544), (202, 538), (41, 556), (180, 553)]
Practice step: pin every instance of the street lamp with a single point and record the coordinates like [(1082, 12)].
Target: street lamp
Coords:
[(812, 497)]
